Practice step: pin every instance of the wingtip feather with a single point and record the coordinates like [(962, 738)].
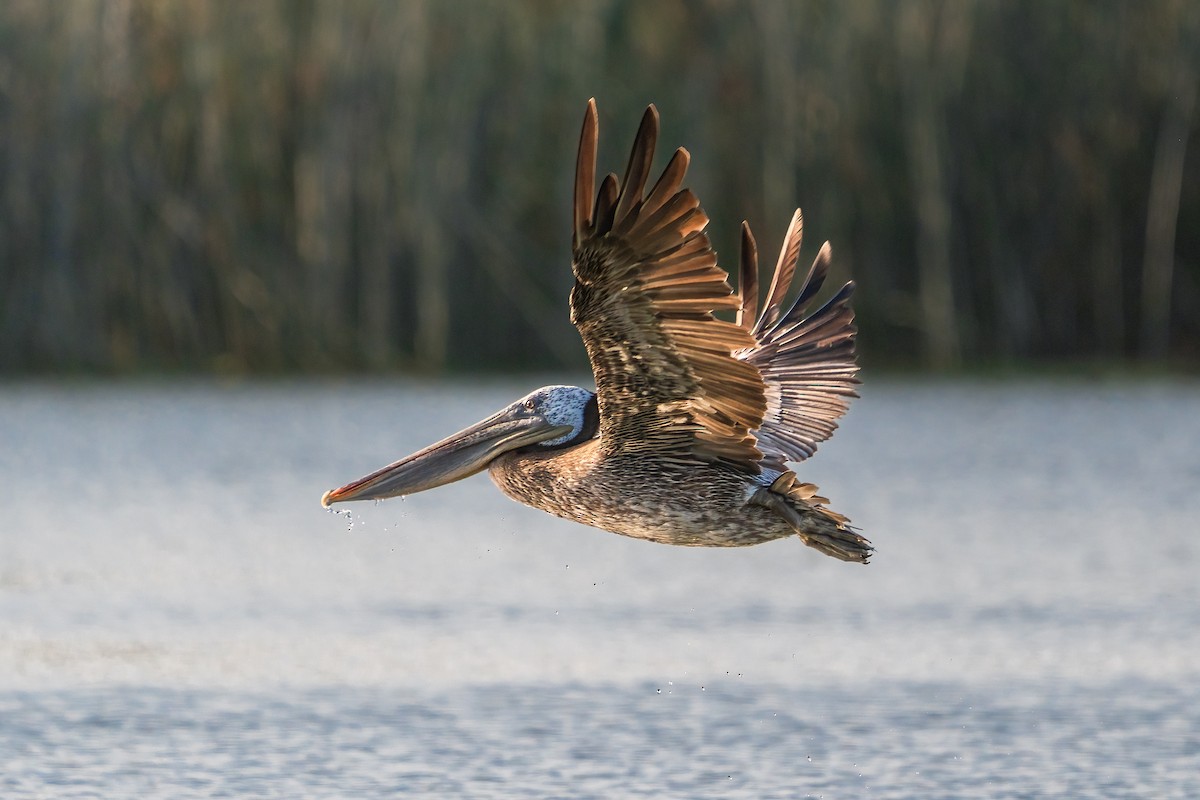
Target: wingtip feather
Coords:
[(640, 156), (585, 172), (747, 279), (785, 268)]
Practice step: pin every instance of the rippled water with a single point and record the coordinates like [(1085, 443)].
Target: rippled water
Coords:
[(180, 618)]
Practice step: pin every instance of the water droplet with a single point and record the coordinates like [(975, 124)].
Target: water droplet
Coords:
[(347, 513)]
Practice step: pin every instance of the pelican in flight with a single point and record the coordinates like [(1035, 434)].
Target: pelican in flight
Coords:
[(686, 439)]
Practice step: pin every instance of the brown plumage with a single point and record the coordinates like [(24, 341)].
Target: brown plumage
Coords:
[(646, 282), (687, 437)]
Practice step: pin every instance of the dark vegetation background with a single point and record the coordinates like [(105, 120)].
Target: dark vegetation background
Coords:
[(292, 185)]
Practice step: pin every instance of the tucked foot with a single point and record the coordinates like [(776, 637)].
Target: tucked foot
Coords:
[(818, 527), (842, 542)]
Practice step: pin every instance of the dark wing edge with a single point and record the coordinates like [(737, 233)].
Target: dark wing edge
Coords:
[(646, 284), (807, 363)]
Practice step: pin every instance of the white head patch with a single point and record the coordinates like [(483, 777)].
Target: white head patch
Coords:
[(561, 405)]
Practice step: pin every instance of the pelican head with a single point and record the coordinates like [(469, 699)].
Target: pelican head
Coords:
[(549, 417)]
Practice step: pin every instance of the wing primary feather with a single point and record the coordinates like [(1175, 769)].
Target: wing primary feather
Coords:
[(816, 275), (606, 204), (833, 321), (689, 224), (812, 284), (748, 279), (784, 269), (668, 183), (680, 203), (634, 185), (585, 173)]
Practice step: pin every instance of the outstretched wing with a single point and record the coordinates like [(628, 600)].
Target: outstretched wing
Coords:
[(646, 284), (808, 363)]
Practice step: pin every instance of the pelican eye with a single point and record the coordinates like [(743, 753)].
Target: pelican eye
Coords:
[(530, 405)]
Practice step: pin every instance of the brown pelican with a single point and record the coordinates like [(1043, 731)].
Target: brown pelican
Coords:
[(688, 434)]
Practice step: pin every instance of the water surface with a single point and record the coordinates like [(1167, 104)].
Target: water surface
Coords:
[(180, 618)]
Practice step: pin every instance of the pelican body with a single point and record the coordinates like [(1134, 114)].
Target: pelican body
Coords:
[(688, 436)]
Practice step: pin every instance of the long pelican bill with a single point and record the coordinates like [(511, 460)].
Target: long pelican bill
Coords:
[(453, 458)]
